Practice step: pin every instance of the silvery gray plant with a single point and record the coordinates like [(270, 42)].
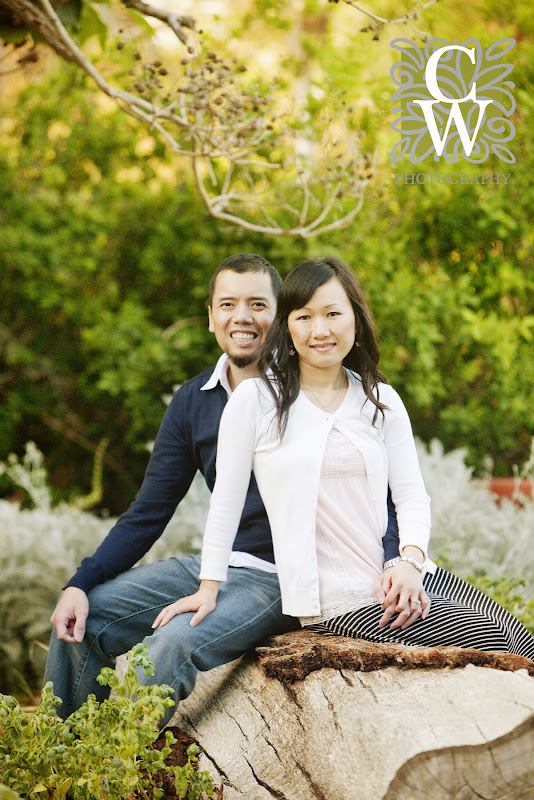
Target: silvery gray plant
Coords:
[(42, 548), (471, 531)]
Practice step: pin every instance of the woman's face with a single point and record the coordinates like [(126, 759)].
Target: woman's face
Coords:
[(323, 332)]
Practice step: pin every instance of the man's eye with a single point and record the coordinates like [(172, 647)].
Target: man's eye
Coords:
[(259, 305)]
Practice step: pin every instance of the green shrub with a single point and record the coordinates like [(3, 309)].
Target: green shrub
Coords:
[(508, 592), (102, 751)]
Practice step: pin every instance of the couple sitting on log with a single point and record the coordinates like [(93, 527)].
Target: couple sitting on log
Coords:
[(331, 530)]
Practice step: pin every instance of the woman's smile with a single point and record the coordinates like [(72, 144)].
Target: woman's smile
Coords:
[(323, 347)]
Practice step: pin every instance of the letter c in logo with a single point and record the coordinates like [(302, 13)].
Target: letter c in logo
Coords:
[(431, 77)]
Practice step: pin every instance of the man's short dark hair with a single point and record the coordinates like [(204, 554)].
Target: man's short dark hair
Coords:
[(246, 262)]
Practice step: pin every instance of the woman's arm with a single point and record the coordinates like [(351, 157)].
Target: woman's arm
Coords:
[(402, 584), (235, 458), (411, 500), (235, 454)]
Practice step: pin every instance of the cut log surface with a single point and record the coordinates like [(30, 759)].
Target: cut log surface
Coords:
[(438, 731)]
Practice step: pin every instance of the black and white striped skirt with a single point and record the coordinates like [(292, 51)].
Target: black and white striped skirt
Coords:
[(460, 615)]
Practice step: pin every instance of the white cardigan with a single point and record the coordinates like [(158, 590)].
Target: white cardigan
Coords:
[(288, 475)]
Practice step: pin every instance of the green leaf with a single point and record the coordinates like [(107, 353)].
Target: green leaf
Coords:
[(181, 785), (64, 787), (92, 24), (140, 20), (70, 13)]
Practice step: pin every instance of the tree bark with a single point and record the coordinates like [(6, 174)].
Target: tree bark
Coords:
[(28, 13), (345, 734)]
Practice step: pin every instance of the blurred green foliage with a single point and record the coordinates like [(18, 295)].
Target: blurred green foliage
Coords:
[(106, 253), (509, 593), (104, 273)]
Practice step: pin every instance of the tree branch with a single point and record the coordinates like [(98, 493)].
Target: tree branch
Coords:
[(28, 13), (313, 228), (176, 22), (225, 130), (406, 19)]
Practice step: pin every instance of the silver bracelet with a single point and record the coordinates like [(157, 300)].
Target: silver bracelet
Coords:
[(414, 562), (391, 562)]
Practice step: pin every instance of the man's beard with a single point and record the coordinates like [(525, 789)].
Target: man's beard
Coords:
[(243, 361)]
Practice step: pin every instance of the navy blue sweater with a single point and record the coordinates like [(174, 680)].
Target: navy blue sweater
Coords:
[(186, 442)]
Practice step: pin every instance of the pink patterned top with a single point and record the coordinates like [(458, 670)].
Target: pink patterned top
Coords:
[(350, 555)]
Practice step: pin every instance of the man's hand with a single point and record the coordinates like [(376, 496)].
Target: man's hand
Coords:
[(203, 602), (404, 595), (70, 614)]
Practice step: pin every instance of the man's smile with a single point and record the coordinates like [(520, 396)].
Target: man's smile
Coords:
[(243, 337)]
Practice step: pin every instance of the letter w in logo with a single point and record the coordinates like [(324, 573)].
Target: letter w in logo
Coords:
[(455, 112)]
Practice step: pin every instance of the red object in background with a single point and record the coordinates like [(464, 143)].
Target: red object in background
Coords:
[(508, 487)]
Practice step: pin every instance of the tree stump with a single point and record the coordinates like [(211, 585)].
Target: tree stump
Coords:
[(311, 716)]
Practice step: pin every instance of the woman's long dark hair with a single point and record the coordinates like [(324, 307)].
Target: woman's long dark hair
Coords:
[(297, 289)]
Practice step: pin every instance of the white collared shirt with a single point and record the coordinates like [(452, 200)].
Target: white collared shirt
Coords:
[(237, 557), (288, 474), (219, 375)]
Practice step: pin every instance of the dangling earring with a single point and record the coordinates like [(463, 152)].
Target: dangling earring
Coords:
[(291, 350), (356, 344)]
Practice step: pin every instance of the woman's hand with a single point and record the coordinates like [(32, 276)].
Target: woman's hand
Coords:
[(203, 602), (403, 595)]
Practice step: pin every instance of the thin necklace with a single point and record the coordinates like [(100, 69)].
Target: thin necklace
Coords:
[(332, 400)]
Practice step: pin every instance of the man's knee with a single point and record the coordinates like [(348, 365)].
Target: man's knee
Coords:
[(177, 637)]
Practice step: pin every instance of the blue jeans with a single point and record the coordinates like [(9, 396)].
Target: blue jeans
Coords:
[(122, 610)]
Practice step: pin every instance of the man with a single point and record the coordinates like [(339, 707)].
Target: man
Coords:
[(107, 607)]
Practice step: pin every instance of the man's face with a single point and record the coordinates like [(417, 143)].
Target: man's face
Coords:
[(243, 307)]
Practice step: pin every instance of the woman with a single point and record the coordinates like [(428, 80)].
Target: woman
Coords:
[(325, 435)]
